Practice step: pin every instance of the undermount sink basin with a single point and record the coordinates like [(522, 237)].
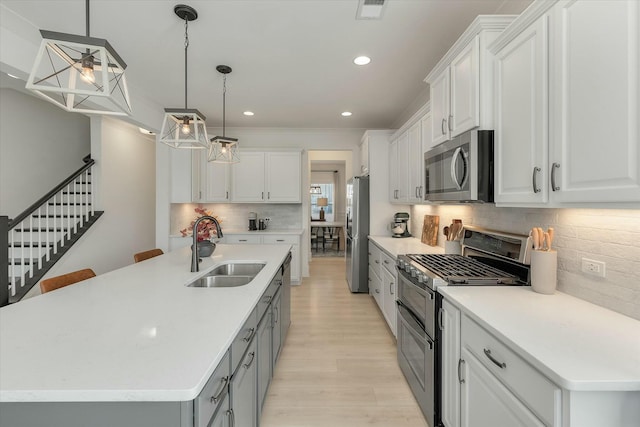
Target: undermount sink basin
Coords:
[(228, 276), (238, 269), (221, 281)]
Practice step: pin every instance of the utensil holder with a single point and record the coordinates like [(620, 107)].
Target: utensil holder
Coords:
[(544, 271), (452, 247)]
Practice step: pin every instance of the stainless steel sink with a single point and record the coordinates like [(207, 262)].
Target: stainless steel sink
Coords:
[(233, 269), (220, 281), (228, 276)]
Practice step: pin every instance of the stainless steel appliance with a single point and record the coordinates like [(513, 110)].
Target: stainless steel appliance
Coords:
[(357, 233), (400, 225), (488, 258), (461, 169), (253, 221)]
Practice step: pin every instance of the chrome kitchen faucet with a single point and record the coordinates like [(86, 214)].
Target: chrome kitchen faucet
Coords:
[(194, 248)]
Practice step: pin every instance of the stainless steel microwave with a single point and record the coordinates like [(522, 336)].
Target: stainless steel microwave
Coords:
[(461, 169)]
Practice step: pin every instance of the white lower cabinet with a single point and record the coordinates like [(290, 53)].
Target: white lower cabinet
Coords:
[(383, 280), (389, 298), (486, 384)]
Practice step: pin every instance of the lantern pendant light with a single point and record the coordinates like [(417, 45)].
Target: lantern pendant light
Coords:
[(80, 73), (184, 127), (224, 149)]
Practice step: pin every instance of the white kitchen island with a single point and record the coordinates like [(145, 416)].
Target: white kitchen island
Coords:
[(137, 334)]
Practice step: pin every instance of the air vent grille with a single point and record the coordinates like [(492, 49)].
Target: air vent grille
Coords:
[(370, 9)]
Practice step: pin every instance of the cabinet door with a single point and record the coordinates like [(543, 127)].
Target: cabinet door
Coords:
[(375, 286), (521, 139), (415, 162), (263, 337), (596, 85), (426, 124), (223, 416), (244, 390), (216, 182), (440, 108), (486, 402), (389, 287), (393, 172), (276, 335), (283, 176), (185, 175), (403, 170), (465, 89), (450, 326), (248, 178)]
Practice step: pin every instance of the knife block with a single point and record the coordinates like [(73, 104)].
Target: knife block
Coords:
[(544, 271)]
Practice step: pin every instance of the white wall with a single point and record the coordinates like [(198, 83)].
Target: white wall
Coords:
[(608, 235), (40, 145), (125, 173)]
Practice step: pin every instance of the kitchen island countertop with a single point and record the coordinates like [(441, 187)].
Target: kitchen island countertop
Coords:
[(132, 334)]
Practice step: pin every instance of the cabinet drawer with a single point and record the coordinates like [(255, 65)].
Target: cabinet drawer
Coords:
[(374, 256), (243, 238), (213, 393), (243, 339), (538, 393), (271, 239), (268, 295), (388, 262)]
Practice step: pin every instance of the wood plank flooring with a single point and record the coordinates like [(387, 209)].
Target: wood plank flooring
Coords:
[(338, 367)]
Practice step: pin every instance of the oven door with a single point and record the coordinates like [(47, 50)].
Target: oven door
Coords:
[(420, 301), (416, 354)]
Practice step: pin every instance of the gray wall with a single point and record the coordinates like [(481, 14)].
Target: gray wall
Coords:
[(40, 145)]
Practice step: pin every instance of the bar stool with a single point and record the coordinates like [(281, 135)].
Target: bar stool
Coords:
[(141, 256), (53, 283)]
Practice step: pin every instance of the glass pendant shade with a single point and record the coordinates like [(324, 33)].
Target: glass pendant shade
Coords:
[(223, 150), (80, 74), (184, 128)]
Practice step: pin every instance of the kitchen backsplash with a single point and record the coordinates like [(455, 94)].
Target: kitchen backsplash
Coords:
[(611, 236), (236, 216)]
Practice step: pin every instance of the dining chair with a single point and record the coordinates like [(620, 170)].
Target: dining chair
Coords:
[(314, 237), (141, 256), (53, 283), (331, 235)]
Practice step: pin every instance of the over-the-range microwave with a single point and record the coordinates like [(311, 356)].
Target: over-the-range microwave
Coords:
[(461, 169)]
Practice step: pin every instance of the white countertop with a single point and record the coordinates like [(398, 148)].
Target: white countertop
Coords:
[(578, 345), (395, 246), (133, 334), (295, 231)]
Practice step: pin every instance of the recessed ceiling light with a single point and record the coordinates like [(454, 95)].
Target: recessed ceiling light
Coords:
[(248, 113), (362, 60), (346, 114), (12, 76)]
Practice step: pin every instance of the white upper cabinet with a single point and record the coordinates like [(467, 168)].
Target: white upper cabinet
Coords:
[(521, 132), (595, 83), (415, 161), (461, 83), (364, 155), (216, 184), (571, 140), (398, 171), (185, 175), (271, 177), (393, 171)]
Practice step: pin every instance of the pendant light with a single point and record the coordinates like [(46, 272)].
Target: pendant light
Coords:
[(80, 73), (223, 149), (184, 127)]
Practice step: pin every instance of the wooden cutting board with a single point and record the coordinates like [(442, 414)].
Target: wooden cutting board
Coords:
[(430, 230)]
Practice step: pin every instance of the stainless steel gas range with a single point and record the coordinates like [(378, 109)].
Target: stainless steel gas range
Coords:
[(489, 258)]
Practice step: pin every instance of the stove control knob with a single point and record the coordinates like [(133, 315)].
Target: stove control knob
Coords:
[(414, 272), (407, 267), (401, 264)]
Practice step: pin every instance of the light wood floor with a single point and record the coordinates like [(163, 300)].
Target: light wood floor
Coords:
[(338, 367)]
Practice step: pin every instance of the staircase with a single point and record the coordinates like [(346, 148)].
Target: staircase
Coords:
[(37, 238)]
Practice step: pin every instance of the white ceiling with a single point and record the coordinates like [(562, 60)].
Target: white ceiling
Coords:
[(291, 59)]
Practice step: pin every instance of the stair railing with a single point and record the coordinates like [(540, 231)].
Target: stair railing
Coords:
[(38, 234)]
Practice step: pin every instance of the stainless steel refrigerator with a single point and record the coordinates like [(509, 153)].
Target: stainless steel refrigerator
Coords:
[(357, 233)]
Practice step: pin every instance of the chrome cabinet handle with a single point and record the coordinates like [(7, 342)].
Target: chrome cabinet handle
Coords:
[(440, 316), (377, 291), (232, 418), (385, 261), (262, 195), (442, 125), (279, 240), (391, 288), (242, 240), (499, 364), (252, 331), (253, 356), (554, 166), (449, 123), (536, 170), (227, 195), (268, 194), (420, 193), (460, 362), (268, 299), (276, 315), (215, 398)]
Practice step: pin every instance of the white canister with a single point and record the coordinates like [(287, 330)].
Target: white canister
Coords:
[(452, 247), (544, 271)]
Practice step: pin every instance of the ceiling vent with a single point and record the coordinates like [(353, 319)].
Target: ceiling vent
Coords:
[(370, 9)]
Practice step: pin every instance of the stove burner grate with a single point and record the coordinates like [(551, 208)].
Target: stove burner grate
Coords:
[(456, 269)]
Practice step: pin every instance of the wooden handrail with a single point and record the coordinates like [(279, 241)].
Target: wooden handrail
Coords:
[(31, 209)]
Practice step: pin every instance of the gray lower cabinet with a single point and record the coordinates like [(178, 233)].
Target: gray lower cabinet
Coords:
[(277, 331), (213, 393), (264, 357), (243, 390), (223, 417)]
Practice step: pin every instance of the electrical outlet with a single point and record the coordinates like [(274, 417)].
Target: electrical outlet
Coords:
[(593, 267)]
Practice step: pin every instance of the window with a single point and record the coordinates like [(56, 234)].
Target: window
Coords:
[(327, 191)]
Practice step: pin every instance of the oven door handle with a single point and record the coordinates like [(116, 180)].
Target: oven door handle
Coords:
[(413, 325)]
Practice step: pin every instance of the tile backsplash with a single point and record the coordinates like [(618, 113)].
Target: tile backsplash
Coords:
[(607, 235), (236, 216)]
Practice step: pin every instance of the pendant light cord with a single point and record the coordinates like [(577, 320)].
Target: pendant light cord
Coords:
[(186, 48), (87, 16), (224, 103)]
